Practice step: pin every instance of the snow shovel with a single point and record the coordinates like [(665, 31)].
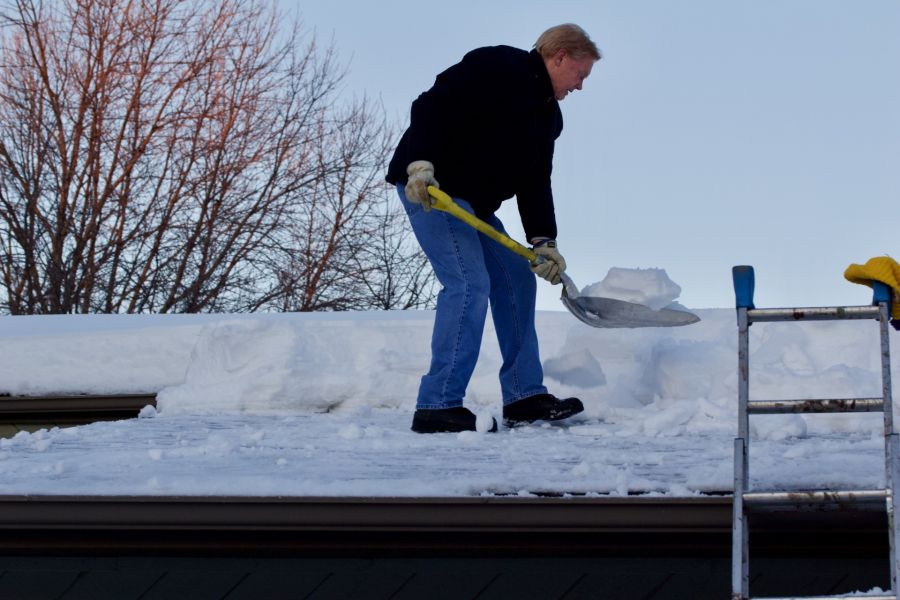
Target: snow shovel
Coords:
[(595, 311)]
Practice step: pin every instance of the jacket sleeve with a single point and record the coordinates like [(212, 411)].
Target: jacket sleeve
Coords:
[(535, 200), (534, 192)]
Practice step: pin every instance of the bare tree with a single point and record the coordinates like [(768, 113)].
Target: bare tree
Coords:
[(174, 156), (349, 247)]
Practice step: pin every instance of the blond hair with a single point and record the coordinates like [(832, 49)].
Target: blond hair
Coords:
[(569, 37)]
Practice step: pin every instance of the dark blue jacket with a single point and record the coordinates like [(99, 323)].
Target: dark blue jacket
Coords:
[(488, 124)]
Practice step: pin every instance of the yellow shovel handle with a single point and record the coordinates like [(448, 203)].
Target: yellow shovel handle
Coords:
[(444, 202)]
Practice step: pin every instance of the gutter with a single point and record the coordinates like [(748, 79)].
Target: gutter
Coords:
[(71, 409), (637, 525)]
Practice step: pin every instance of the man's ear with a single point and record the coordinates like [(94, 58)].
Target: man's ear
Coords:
[(559, 56)]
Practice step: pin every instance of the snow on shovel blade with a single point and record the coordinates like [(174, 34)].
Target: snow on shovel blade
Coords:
[(609, 312)]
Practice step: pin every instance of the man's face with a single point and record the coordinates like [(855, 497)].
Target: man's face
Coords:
[(567, 73)]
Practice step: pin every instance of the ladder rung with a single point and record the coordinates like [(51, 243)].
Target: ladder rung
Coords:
[(800, 497), (824, 405), (822, 313)]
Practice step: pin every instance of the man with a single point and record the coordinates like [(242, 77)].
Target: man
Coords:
[(487, 129)]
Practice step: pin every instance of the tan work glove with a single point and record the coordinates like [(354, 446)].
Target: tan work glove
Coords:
[(552, 266), (421, 175)]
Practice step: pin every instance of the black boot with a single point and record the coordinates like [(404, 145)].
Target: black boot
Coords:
[(540, 407), (446, 419)]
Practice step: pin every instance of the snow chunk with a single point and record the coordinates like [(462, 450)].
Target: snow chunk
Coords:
[(483, 421), (650, 287), (580, 369)]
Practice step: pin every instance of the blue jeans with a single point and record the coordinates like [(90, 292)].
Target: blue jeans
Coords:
[(475, 271)]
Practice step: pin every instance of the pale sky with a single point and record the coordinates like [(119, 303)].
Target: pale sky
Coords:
[(712, 133)]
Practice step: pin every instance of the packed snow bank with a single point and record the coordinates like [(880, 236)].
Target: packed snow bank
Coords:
[(95, 353)]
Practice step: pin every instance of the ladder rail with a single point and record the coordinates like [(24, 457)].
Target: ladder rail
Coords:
[(892, 440), (740, 565), (740, 539), (892, 450), (884, 316)]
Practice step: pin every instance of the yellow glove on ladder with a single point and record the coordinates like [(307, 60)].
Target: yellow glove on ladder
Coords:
[(884, 269)]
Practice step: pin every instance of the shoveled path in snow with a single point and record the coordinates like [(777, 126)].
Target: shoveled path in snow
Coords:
[(373, 453)]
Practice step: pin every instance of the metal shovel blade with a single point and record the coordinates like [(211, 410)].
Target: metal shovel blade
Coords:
[(612, 313), (609, 312)]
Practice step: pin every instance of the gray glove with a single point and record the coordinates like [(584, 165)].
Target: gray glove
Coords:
[(553, 263), (421, 175)]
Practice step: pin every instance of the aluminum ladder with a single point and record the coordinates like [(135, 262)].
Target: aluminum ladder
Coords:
[(746, 501)]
